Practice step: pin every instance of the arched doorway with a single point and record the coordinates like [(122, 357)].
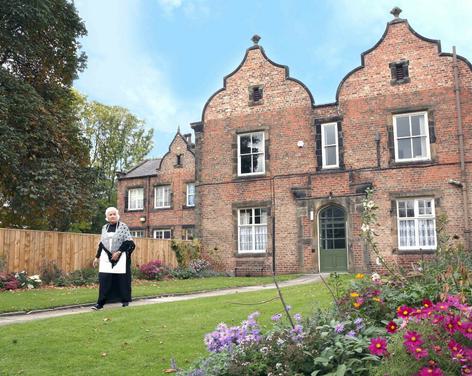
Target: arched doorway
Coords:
[(332, 239)]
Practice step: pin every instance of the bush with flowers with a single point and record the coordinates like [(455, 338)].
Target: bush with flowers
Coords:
[(320, 345), (20, 280), (153, 270), (433, 339)]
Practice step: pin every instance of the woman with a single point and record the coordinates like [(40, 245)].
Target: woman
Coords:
[(113, 258)]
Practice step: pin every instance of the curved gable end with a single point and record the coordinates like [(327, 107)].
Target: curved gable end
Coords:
[(398, 42), (256, 69)]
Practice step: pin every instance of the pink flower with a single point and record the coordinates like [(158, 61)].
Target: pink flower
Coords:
[(466, 370), (441, 306), (452, 324), (378, 346), (412, 340), (427, 303), (466, 329), (404, 311), (419, 352), (430, 371), (392, 327)]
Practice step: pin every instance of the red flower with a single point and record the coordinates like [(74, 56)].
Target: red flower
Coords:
[(378, 346), (392, 327), (427, 303), (430, 371), (452, 324), (404, 311), (466, 370)]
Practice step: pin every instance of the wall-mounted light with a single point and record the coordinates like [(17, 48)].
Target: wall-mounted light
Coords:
[(330, 195), (312, 215), (142, 219), (300, 144), (456, 183)]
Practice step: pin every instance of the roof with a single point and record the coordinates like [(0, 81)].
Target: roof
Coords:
[(148, 167)]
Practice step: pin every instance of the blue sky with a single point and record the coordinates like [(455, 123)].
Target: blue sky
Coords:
[(162, 59)]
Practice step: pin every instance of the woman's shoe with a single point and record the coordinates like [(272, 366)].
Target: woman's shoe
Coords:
[(125, 304), (96, 307)]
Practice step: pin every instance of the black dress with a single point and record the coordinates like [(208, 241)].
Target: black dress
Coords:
[(116, 287)]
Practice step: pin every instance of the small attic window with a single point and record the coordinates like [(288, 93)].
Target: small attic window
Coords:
[(399, 71), (255, 94), (178, 161)]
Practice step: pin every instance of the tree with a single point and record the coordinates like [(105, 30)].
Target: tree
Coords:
[(117, 140), (44, 165)]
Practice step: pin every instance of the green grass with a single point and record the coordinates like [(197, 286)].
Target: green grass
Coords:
[(137, 340), (28, 300)]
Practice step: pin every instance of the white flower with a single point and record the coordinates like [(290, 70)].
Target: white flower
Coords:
[(278, 365), (30, 286), (280, 341), (370, 204), (375, 277), (365, 227)]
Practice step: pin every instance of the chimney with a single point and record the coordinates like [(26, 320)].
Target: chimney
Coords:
[(188, 138)]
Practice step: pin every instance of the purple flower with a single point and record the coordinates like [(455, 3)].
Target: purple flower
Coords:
[(276, 317), (359, 322), (288, 307), (297, 317), (351, 334), (339, 328), (297, 333)]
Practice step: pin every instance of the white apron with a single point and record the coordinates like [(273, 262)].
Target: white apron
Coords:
[(105, 264)]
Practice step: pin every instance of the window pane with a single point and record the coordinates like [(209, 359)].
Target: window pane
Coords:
[(407, 233), (245, 217), (339, 243), (426, 233), (410, 208), (260, 238), (403, 126), (404, 148), (244, 144), (330, 155), (401, 209), (245, 238), (246, 164), (417, 125), (257, 161), (330, 134), (419, 147), (257, 143)]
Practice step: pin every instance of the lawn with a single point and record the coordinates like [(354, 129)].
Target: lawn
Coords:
[(27, 300), (137, 340)]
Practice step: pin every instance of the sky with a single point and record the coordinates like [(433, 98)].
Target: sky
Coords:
[(163, 59)]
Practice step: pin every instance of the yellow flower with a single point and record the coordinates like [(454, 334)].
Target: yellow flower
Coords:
[(356, 304), (359, 276), (376, 299), (354, 294)]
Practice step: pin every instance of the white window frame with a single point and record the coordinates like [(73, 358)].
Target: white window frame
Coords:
[(137, 201), (162, 231), (324, 145), (416, 219), (190, 193), (157, 203), (134, 233), (184, 232), (426, 127), (253, 232), (261, 153)]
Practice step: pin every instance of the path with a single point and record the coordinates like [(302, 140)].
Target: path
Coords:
[(7, 319)]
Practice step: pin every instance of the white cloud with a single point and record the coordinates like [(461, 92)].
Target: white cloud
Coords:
[(121, 72)]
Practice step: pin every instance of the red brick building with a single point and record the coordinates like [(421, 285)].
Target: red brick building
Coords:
[(157, 197), (275, 171)]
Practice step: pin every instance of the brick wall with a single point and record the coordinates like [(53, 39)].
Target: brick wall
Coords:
[(292, 187), (177, 176)]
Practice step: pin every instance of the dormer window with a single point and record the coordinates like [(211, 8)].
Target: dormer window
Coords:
[(399, 72), (255, 94)]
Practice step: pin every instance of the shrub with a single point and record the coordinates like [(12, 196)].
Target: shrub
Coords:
[(153, 270), (186, 251), (27, 282), (183, 273), (50, 272), (8, 282), (82, 277), (199, 265)]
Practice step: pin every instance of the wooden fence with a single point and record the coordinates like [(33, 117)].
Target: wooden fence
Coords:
[(29, 250)]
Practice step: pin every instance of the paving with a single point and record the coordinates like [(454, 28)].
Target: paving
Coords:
[(20, 317)]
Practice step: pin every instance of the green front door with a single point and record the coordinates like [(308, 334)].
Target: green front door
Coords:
[(332, 239)]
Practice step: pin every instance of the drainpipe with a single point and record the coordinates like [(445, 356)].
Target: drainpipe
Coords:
[(460, 135), (148, 203)]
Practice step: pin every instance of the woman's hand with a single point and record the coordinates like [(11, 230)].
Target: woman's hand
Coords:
[(116, 255), (95, 262)]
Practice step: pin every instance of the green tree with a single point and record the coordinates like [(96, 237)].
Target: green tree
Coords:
[(117, 140), (44, 165)]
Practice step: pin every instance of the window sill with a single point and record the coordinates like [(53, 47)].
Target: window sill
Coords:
[(413, 163), (251, 254), (165, 208), (250, 177), (330, 170), (134, 210), (418, 251), (399, 82), (188, 207)]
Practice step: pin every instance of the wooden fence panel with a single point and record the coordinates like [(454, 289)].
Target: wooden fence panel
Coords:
[(30, 250)]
